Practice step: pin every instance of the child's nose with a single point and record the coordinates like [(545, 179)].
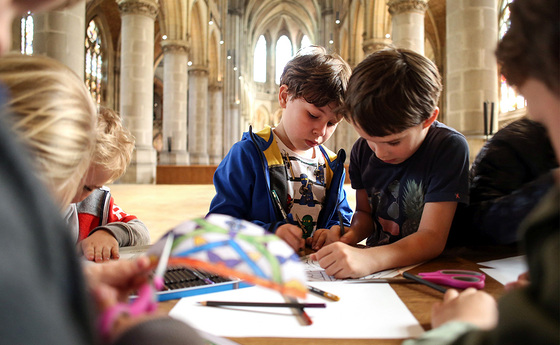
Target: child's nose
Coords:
[(320, 130)]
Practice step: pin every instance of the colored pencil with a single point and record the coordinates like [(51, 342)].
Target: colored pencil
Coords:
[(261, 304), (323, 293)]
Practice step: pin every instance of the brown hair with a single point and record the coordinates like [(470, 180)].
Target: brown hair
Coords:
[(531, 46), (392, 90), (316, 76)]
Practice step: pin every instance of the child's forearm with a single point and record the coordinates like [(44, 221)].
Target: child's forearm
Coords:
[(362, 225), (411, 250)]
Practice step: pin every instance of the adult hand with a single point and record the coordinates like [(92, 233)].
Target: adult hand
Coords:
[(100, 246), (472, 306)]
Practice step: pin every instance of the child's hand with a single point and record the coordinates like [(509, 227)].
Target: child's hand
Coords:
[(343, 261), (322, 237), (522, 281), (292, 235), (100, 246), (106, 298), (118, 278), (471, 305), (111, 283)]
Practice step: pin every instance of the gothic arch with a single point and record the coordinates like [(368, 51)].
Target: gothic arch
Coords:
[(261, 118), (214, 58), (198, 31)]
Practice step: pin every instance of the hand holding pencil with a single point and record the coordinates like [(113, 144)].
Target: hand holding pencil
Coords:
[(292, 234)]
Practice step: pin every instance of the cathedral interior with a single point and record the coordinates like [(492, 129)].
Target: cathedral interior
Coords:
[(189, 76)]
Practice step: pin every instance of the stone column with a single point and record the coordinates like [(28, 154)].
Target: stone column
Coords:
[(174, 103), (216, 123), (375, 18), (137, 85), (60, 35), (328, 28), (408, 23), (198, 116), (472, 70)]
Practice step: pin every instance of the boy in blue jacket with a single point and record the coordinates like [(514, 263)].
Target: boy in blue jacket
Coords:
[(282, 178)]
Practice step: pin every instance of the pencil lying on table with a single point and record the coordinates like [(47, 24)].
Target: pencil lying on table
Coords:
[(320, 292), (261, 304)]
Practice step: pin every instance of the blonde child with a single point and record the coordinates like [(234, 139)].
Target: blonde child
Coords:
[(43, 294), (101, 227)]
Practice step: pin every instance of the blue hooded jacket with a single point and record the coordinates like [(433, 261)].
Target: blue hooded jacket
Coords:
[(254, 166)]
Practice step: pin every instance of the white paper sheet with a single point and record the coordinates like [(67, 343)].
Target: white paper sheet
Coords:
[(505, 270), (365, 311)]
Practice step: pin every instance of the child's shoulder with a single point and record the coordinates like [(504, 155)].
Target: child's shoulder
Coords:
[(441, 134)]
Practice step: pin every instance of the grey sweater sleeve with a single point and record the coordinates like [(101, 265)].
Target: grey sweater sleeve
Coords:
[(132, 233)]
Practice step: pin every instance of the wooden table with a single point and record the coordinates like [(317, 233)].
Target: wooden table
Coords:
[(418, 298)]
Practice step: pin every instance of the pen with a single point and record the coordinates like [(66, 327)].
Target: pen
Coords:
[(275, 196), (323, 293), (425, 282), (341, 223), (262, 304), (285, 216)]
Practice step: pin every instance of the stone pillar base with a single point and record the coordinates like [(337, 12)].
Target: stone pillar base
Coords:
[(215, 159), (142, 168), (174, 158), (199, 158)]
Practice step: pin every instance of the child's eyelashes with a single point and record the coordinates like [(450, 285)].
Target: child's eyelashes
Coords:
[(88, 189)]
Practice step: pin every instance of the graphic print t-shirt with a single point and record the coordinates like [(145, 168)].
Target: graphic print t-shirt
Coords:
[(436, 172), (306, 187)]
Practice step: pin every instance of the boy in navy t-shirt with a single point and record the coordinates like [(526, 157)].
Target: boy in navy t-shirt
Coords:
[(409, 171)]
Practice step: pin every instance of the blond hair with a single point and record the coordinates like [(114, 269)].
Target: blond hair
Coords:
[(54, 116), (115, 143)]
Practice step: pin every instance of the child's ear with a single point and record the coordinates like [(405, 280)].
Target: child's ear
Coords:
[(428, 122), (283, 96)]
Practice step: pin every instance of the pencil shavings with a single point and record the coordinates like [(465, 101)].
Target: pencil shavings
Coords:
[(231, 247)]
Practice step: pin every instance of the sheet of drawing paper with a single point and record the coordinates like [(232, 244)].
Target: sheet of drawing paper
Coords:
[(365, 311), (505, 270)]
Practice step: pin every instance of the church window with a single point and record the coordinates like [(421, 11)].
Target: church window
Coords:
[(510, 99), (27, 34), (259, 61), (94, 61), (305, 41), (283, 54)]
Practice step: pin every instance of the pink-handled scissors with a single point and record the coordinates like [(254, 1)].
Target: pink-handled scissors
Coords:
[(146, 302), (461, 279)]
